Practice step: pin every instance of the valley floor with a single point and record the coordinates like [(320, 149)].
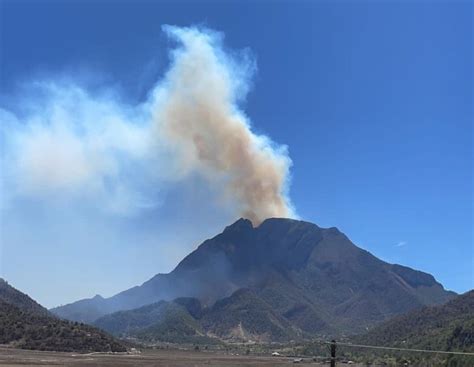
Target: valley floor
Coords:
[(160, 358)]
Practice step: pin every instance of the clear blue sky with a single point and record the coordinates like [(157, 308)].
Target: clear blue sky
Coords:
[(373, 99)]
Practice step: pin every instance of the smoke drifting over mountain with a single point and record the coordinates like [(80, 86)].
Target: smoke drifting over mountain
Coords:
[(75, 144)]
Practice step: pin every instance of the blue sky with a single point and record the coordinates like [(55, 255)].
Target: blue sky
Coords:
[(373, 100)]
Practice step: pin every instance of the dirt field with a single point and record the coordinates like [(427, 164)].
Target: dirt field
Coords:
[(161, 358)]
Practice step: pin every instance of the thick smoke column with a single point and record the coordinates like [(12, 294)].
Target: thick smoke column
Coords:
[(199, 114), (191, 124)]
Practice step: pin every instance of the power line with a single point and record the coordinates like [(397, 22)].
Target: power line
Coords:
[(402, 349)]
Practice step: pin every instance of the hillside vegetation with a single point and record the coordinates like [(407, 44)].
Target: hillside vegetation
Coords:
[(159, 322), (26, 324), (16, 298), (449, 327), (241, 317)]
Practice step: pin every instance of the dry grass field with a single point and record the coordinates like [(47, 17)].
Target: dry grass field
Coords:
[(162, 358)]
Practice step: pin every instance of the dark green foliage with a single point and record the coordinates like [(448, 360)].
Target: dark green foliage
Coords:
[(159, 322), (14, 297), (127, 322), (192, 305), (449, 327), (445, 326), (245, 316), (29, 330), (176, 325), (26, 324), (242, 316)]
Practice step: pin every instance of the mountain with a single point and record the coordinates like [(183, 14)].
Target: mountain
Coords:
[(443, 327), (246, 316), (314, 278), (14, 297), (86, 310), (448, 327), (242, 316), (26, 324), (176, 325), (174, 322)]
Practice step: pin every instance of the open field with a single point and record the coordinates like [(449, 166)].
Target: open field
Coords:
[(165, 358)]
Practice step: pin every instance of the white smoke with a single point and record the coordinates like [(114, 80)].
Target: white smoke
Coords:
[(90, 147)]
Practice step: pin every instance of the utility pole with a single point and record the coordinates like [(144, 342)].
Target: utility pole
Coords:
[(333, 353)]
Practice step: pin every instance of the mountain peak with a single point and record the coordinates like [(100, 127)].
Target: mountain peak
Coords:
[(243, 224), (307, 272), (240, 224)]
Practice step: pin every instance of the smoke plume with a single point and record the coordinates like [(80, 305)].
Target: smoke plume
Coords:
[(73, 143)]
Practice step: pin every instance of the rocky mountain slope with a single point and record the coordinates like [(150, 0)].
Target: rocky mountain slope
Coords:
[(26, 324), (316, 279)]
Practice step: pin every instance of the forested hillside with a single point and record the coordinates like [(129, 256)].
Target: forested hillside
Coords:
[(26, 324), (448, 327)]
